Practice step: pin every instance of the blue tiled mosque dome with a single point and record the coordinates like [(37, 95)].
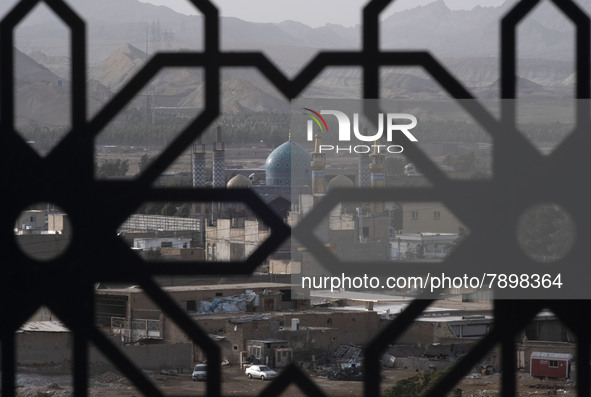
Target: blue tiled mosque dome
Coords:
[(288, 165)]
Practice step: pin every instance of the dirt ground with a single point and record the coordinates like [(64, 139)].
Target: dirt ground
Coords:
[(56, 382)]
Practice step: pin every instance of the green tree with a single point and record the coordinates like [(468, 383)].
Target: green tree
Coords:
[(153, 208), (461, 163), (417, 385), (144, 162), (169, 209), (184, 210), (113, 168)]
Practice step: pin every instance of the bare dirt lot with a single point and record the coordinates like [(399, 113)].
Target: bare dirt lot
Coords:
[(44, 381)]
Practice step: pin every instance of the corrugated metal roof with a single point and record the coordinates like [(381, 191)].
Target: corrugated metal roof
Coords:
[(43, 326), (563, 356), (210, 287), (267, 341)]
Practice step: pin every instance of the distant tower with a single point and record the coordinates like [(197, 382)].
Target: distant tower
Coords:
[(378, 178), (364, 172), (198, 164), (198, 171), (318, 164), (219, 161)]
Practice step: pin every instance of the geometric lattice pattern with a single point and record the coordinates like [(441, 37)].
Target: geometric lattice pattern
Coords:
[(199, 176), (219, 170), (364, 174), (66, 177)]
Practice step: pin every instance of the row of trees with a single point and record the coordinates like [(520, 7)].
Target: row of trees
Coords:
[(272, 129), (182, 210), (241, 128)]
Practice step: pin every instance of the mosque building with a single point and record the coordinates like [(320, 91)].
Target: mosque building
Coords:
[(294, 181), (290, 171)]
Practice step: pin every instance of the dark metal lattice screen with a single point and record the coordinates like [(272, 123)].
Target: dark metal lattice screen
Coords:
[(66, 178)]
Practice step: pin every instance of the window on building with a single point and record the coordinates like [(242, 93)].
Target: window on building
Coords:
[(415, 215), (436, 215), (255, 351), (191, 306), (237, 222), (553, 364), (166, 244), (365, 231), (237, 252), (285, 295)]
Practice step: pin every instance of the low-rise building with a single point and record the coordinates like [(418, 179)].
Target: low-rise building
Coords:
[(430, 246)]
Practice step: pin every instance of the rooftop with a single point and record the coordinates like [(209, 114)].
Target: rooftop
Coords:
[(211, 287), (43, 326)]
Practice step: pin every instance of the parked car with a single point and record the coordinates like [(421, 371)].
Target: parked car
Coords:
[(200, 372), (260, 371)]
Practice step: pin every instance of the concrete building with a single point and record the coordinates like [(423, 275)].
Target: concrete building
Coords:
[(318, 332), (43, 342), (234, 239), (429, 217), (132, 303), (150, 244), (37, 221), (50, 343), (429, 246)]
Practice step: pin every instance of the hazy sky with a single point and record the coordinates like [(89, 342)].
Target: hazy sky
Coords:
[(311, 12)]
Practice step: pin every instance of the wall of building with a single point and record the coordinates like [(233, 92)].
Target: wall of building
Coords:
[(197, 254), (421, 217), (309, 340), (152, 357), (425, 332), (156, 243), (43, 246), (58, 223), (31, 219), (237, 333), (284, 266), (548, 329), (356, 327), (186, 297), (35, 348), (235, 239), (43, 347)]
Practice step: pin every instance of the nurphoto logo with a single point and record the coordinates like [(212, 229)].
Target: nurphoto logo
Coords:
[(394, 123)]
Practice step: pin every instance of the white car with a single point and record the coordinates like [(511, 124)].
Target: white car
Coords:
[(260, 371), (200, 372)]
